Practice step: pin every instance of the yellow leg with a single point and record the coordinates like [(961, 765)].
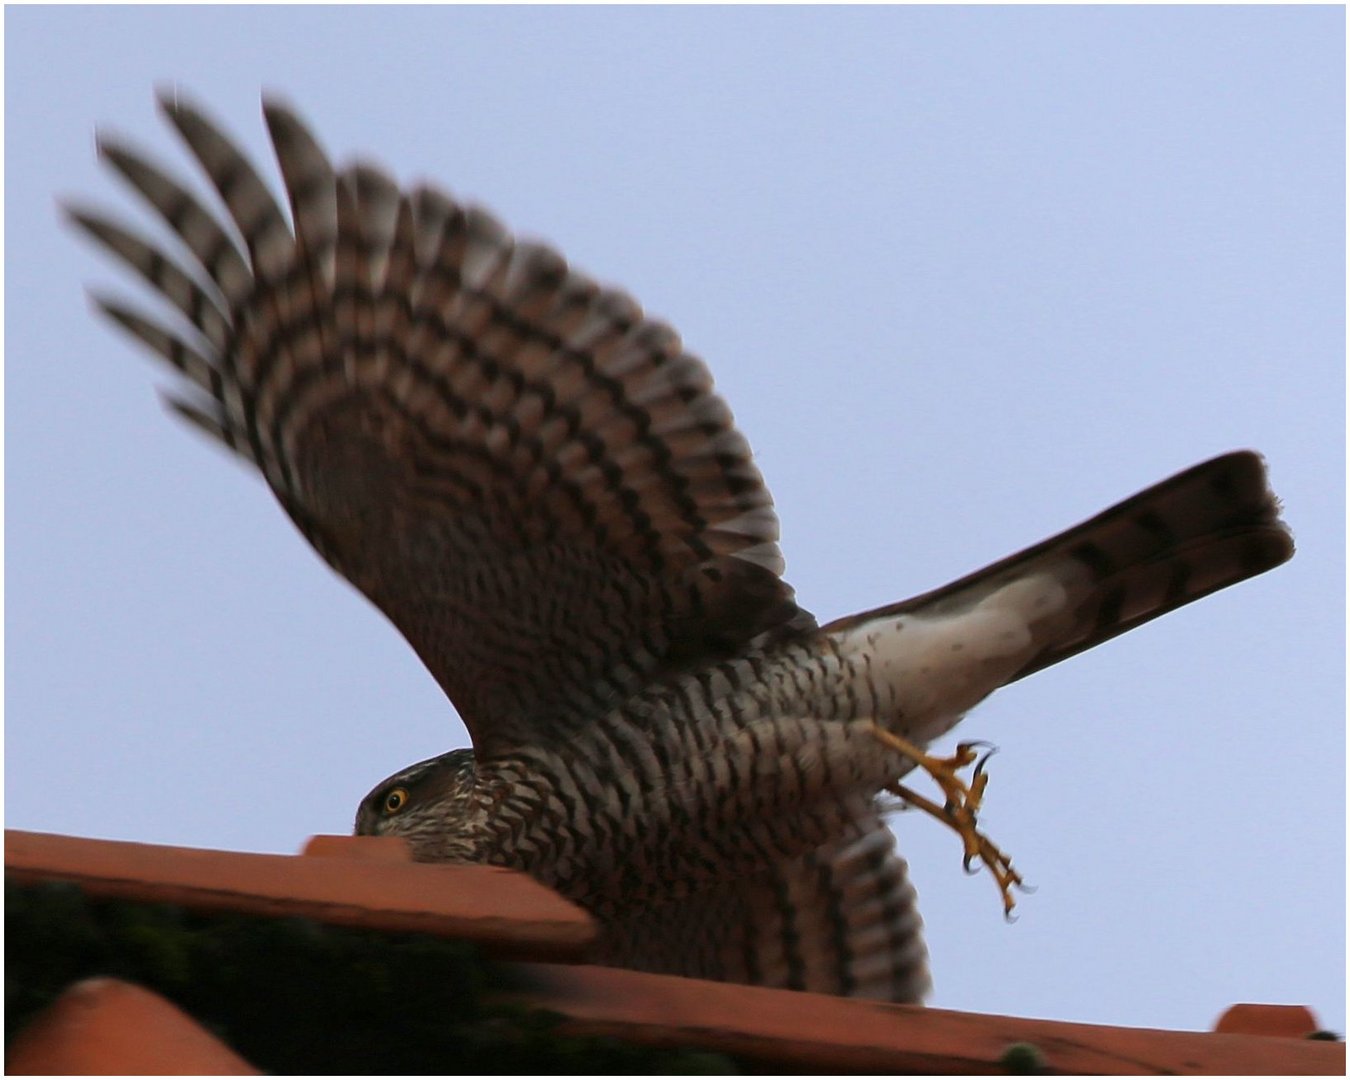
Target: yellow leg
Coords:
[(962, 804)]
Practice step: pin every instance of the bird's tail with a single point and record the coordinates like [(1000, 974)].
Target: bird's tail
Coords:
[(1202, 530)]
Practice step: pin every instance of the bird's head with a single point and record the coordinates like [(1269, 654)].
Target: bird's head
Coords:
[(430, 805)]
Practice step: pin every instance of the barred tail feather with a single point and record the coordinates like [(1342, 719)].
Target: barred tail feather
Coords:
[(1209, 527)]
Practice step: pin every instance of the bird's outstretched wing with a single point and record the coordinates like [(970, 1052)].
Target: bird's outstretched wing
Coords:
[(842, 919), (530, 478)]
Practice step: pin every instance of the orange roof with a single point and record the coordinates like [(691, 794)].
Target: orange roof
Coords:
[(103, 1025)]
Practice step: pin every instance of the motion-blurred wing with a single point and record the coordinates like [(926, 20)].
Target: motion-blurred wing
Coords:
[(532, 480), (842, 920)]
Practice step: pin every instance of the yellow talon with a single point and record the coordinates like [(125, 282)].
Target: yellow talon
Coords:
[(962, 804)]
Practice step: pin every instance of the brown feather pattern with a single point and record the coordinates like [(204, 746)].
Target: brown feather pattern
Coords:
[(541, 489)]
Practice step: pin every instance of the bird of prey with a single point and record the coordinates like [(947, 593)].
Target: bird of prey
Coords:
[(539, 487)]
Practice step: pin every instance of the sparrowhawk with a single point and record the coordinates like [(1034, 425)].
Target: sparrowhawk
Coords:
[(540, 488)]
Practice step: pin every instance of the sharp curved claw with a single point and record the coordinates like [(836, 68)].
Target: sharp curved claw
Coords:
[(961, 806)]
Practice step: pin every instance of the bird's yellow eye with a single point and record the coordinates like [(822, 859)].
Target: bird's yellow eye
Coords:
[(396, 800)]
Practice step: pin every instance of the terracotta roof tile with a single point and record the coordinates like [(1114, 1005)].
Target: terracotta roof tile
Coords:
[(107, 1027), (359, 882), (508, 913), (1292, 1021), (817, 1033)]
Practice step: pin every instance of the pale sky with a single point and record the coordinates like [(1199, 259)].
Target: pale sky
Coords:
[(965, 275)]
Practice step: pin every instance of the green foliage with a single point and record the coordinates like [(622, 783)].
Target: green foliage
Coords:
[(296, 996), (1023, 1059)]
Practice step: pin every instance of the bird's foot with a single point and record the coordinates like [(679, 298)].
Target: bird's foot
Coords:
[(960, 807)]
